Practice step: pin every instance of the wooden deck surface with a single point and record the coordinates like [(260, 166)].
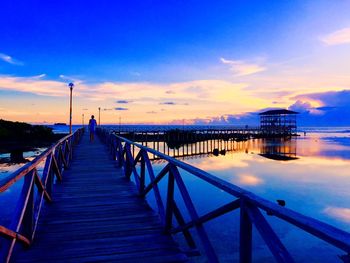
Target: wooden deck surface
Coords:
[(96, 216)]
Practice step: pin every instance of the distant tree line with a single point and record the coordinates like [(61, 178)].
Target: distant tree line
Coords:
[(24, 136)]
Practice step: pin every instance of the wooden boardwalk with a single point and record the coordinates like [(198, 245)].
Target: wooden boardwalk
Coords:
[(96, 216)]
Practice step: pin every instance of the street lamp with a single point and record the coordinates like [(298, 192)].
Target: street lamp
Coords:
[(70, 85), (99, 116)]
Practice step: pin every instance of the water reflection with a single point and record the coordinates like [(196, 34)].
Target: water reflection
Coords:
[(247, 179), (315, 179), (311, 173), (340, 213), (280, 149)]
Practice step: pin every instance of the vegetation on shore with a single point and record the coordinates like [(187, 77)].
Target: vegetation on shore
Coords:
[(20, 136)]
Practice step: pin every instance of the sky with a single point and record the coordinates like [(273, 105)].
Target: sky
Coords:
[(176, 61)]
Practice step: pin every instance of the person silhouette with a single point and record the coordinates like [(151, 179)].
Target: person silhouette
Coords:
[(92, 127)]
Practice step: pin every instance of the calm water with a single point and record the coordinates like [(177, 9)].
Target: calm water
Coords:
[(313, 179)]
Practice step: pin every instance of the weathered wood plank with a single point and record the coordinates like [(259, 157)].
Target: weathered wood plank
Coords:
[(96, 215)]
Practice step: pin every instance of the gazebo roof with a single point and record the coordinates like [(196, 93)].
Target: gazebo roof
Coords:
[(278, 112)]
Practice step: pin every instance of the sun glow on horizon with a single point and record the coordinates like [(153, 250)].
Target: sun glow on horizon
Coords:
[(179, 74)]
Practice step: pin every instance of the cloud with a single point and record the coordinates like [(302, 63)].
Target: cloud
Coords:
[(332, 108), (300, 106), (34, 84), (10, 59), (249, 118), (326, 108), (41, 76), (330, 98), (109, 109), (151, 112), (167, 103), (145, 93), (197, 90), (223, 101), (174, 103), (170, 92), (123, 101), (242, 68), (73, 79), (120, 109), (338, 37)]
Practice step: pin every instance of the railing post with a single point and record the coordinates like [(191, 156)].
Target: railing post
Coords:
[(245, 236), (169, 203), (28, 217), (114, 147), (142, 174), (49, 164), (208, 248), (71, 142), (127, 165), (120, 153)]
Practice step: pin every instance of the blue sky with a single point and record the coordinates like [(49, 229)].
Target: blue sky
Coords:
[(105, 39), (253, 49)]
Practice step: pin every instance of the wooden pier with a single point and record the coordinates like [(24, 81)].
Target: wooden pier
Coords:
[(83, 208), (96, 216)]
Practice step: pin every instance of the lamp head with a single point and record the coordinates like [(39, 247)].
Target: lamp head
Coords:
[(71, 85)]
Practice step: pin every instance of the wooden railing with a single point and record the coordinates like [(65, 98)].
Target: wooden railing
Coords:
[(250, 205), (35, 189)]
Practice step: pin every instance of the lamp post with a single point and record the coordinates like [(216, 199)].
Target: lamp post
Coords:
[(99, 116), (83, 119), (71, 85)]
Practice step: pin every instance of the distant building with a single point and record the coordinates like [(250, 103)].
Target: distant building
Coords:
[(281, 122)]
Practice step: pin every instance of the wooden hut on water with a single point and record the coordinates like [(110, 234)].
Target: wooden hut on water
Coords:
[(278, 122)]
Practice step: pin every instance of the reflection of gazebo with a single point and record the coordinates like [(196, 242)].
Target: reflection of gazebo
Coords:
[(280, 149), (278, 122)]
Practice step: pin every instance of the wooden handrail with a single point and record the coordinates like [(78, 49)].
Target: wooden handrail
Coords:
[(155, 129), (25, 218), (7, 233), (25, 169), (249, 204)]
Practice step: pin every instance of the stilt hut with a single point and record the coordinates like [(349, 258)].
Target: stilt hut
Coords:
[(278, 122)]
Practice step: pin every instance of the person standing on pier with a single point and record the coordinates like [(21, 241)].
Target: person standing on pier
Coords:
[(92, 127)]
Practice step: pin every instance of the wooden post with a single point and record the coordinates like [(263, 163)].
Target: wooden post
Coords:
[(169, 203), (245, 236), (142, 175)]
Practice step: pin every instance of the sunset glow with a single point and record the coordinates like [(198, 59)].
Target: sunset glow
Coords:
[(191, 63)]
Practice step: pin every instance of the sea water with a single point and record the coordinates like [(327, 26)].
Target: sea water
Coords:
[(312, 177), (313, 182)]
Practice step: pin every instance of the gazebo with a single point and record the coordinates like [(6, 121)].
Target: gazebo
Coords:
[(278, 122)]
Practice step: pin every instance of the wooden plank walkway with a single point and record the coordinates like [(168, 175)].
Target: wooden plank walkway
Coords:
[(96, 216)]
